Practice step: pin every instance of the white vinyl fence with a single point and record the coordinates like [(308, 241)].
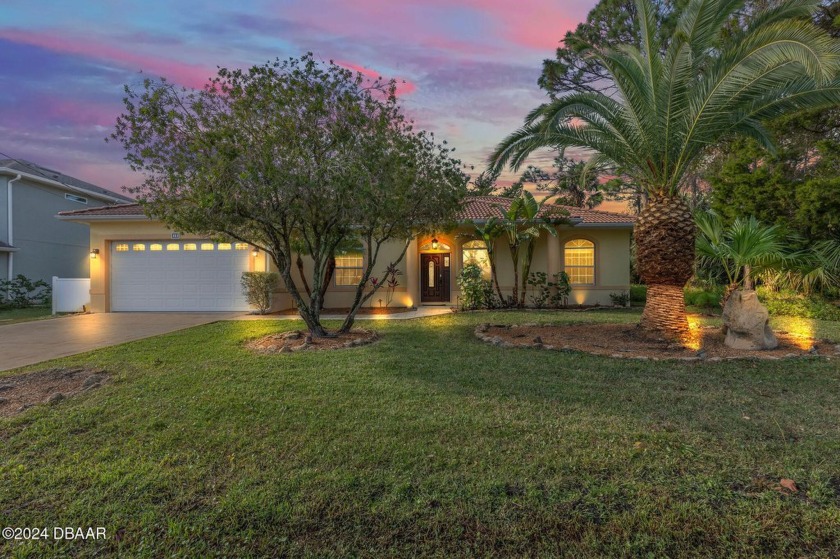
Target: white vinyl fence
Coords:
[(70, 294)]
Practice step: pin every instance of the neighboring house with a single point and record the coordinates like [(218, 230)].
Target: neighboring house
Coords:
[(32, 242), (143, 266)]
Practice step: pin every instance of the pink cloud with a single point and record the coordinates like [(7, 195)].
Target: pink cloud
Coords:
[(190, 75), (404, 87)]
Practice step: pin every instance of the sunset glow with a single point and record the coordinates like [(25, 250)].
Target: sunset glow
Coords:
[(466, 69)]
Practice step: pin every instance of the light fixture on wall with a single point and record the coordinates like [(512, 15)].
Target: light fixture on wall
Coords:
[(435, 244), (94, 252), (255, 252)]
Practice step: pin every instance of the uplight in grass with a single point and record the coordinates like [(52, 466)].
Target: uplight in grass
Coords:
[(801, 331), (692, 338)]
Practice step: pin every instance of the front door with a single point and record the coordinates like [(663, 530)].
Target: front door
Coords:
[(434, 278)]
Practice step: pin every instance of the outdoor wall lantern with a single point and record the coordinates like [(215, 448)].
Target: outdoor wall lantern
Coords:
[(94, 253), (434, 244), (255, 252)]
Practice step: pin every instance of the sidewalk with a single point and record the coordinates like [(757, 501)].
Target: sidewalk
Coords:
[(420, 312)]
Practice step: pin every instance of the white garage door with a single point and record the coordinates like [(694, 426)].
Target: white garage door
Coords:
[(178, 276)]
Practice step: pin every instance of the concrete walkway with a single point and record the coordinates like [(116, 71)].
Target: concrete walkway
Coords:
[(26, 343), (420, 312)]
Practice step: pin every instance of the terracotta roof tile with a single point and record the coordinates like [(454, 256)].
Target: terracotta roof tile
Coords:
[(484, 207), (474, 208)]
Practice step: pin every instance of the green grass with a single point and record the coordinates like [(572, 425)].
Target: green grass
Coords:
[(428, 443), (10, 316)]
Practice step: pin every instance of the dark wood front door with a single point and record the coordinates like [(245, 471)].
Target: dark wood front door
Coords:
[(434, 278)]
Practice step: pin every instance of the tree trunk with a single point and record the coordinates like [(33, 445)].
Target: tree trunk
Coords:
[(665, 237), (303, 275)]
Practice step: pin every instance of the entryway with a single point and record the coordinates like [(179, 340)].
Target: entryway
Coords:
[(434, 277)]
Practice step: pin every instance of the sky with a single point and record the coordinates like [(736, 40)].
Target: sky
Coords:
[(470, 66)]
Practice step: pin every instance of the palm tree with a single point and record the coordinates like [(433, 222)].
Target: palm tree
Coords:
[(745, 249), (521, 224), (674, 100)]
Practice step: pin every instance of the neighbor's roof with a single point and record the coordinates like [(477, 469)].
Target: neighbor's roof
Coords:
[(476, 208), (6, 247), (482, 208), (118, 211), (36, 172)]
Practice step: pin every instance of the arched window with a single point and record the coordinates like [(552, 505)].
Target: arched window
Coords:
[(579, 261), (475, 252), (349, 262)]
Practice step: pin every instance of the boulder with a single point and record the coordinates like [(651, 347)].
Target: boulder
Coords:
[(746, 322)]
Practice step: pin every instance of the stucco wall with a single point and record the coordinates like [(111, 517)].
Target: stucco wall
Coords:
[(612, 264), (104, 233), (48, 247)]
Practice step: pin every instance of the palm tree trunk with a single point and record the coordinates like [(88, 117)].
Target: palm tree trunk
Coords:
[(665, 237)]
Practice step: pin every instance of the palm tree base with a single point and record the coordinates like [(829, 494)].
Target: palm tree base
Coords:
[(664, 315)]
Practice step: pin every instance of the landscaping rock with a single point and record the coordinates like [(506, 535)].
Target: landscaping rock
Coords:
[(55, 398), (747, 322), (538, 340), (4, 387)]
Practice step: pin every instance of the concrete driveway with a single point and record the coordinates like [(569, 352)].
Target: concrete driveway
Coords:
[(27, 343)]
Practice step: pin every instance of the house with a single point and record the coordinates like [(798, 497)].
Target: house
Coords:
[(32, 242), (140, 265)]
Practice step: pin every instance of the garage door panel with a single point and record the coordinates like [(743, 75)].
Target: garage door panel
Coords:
[(177, 280)]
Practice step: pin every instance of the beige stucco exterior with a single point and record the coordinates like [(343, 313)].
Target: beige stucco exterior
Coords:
[(612, 263)]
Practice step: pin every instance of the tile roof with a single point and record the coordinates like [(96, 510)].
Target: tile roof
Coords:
[(118, 210), (484, 207), (475, 208), (22, 166)]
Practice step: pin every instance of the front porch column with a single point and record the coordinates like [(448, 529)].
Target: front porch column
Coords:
[(412, 274), (555, 255)]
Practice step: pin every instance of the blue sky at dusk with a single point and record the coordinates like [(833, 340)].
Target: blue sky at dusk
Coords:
[(470, 66)]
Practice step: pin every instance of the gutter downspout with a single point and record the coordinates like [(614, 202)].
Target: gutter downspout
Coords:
[(10, 257)]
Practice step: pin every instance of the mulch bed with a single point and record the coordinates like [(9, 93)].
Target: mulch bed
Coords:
[(289, 342), (630, 342), (20, 392)]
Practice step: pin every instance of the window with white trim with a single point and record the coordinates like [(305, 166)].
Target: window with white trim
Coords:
[(579, 261)]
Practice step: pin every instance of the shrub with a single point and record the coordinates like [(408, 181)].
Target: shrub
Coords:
[(22, 292), (258, 288), (708, 297), (476, 292), (539, 281), (638, 293), (555, 293), (790, 303), (620, 299)]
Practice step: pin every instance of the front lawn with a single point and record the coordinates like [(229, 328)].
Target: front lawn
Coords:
[(428, 443)]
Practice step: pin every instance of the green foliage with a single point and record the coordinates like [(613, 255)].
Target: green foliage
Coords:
[(521, 225), (790, 303), (22, 292), (554, 294), (705, 297), (638, 293), (620, 299), (476, 292), (290, 153), (258, 288), (744, 250), (570, 183), (675, 96)]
